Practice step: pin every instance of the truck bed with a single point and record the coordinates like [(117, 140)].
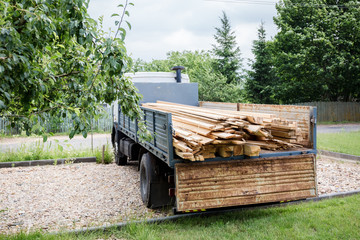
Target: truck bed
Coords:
[(160, 126)]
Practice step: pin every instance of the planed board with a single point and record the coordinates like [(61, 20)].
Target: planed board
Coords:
[(244, 133), (301, 114), (245, 200), (208, 185)]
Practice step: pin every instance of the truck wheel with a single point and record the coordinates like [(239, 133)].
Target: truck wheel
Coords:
[(120, 158), (147, 175)]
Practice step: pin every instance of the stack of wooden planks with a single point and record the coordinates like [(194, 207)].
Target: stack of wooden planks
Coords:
[(201, 133)]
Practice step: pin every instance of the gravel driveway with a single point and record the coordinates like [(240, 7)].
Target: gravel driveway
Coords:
[(69, 196), (82, 195)]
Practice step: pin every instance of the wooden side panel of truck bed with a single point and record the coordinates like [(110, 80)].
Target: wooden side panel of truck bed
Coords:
[(205, 185)]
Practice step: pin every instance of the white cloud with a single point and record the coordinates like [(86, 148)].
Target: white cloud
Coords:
[(160, 26), (184, 39)]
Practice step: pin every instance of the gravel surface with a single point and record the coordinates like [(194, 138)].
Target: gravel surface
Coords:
[(69, 196), (83, 195), (335, 176)]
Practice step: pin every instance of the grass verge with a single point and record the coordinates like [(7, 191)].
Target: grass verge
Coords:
[(53, 150), (343, 142), (329, 219)]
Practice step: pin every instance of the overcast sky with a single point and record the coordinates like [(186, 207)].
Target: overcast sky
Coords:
[(160, 26)]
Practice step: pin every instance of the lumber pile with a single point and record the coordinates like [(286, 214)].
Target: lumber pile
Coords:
[(200, 133)]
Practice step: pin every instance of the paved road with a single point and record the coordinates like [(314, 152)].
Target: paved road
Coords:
[(338, 128), (78, 142)]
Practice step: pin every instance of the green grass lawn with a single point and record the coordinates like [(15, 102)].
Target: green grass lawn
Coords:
[(330, 219), (343, 142)]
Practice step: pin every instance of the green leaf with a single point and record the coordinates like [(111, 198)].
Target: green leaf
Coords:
[(129, 25), (72, 133), (2, 105), (114, 15), (84, 133), (77, 111), (45, 138), (7, 95)]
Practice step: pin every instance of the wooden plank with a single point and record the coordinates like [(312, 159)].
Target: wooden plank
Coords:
[(204, 140), (246, 168), (218, 114), (238, 150), (245, 200), (199, 130), (224, 151), (209, 174), (263, 144), (224, 135), (181, 146), (284, 134), (245, 190), (257, 130), (251, 150), (181, 131), (221, 184), (184, 155), (194, 122), (260, 178)]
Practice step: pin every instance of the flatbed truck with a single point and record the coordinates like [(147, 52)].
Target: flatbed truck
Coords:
[(165, 179)]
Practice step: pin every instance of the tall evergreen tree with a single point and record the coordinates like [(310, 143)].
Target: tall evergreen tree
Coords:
[(318, 50), (258, 86), (226, 52)]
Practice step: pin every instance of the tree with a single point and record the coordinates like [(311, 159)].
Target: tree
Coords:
[(317, 50), (54, 61), (199, 66), (227, 54), (261, 77)]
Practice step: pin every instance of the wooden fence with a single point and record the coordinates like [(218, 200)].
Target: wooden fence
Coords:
[(336, 111), (104, 123)]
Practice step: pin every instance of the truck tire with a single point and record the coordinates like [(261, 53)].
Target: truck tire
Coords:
[(120, 158), (147, 177)]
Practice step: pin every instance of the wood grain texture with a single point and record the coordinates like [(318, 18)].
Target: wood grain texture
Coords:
[(242, 182)]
